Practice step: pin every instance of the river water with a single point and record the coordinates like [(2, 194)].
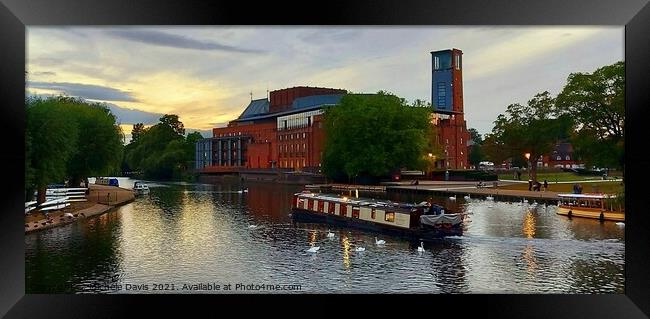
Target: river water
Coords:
[(182, 237)]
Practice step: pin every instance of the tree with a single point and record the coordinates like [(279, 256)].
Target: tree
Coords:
[(52, 139), (476, 155), (160, 151), (530, 129), (374, 135), (172, 121), (99, 148), (137, 130), (597, 103)]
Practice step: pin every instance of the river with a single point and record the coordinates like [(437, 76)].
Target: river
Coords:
[(187, 236)]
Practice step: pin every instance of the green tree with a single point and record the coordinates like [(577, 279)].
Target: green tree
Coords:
[(531, 129), (597, 103), (52, 140), (137, 130), (475, 150), (99, 147), (373, 135), (172, 121)]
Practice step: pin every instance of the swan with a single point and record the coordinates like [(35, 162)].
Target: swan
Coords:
[(313, 249), (489, 198), (452, 197), (467, 197), (330, 234), (245, 190), (359, 249), (379, 242), (525, 201), (252, 226), (421, 247)]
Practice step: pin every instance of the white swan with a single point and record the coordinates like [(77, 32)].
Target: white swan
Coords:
[(452, 197), (421, 247), (252, 226), (313, 249), (360, 249), (379, 242), (330, 234), (489, 198), (467, 197), (245, 190), (525, 201)]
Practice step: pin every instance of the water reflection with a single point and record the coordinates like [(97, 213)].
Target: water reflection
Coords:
[(191, 233)]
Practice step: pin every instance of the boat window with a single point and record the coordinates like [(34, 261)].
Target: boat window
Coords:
[(321, 205), (343, 210), (355, 212), (310, 204), (372, 213), (330, 207), (389, 217)]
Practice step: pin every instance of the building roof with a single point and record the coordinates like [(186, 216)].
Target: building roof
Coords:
[(562, 149), (259, 109), (255, 108)]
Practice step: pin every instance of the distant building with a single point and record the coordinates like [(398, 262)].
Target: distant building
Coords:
[(562, 156)]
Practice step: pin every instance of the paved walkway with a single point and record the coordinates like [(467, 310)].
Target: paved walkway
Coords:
[(101, 199), (503, 194)]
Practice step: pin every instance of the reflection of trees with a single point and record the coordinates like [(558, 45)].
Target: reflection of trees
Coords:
[(73, 258)]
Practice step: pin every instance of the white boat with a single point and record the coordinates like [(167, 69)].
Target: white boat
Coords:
[(55, 207), (140, 188)]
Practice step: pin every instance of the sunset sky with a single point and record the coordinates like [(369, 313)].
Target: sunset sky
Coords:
[(206, 74)]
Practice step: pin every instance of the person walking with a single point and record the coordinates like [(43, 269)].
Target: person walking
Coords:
[(530, 185), (545, 185)]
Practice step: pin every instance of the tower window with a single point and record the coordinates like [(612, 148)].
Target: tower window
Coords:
[(436, 63), (457, 62)]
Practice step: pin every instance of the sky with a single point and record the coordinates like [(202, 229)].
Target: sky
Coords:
[(206, 74)]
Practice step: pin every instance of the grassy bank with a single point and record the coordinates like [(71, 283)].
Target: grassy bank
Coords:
[(602, 187)]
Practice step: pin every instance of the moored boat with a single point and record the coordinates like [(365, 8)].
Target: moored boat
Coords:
[(140, 188), (422, 221), (595, 206)]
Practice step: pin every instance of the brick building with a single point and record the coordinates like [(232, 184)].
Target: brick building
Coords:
[(286, 130), (449, 116)]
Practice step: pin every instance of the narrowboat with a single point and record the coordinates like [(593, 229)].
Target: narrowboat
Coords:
[(422, 221), (140, 188), (596, 206)]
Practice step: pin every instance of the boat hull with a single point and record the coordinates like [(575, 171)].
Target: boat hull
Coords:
[(591, 213), (420, 233)]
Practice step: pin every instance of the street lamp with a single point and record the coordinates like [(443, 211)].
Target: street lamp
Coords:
[(527, 155)]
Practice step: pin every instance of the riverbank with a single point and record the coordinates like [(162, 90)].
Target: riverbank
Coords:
[(101, 199)]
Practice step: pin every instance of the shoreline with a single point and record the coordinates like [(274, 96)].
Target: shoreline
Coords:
[(101, 199)]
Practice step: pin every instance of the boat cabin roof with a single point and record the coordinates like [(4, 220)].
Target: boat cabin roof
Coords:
[(586, 196), (374, 203)]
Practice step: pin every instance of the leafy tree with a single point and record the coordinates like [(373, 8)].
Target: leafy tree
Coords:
[(373, 135), (52, 140), (533, 128), (161, 151), (476, 155), (137, 130), (172, 121), (99, 147), (597, 103)]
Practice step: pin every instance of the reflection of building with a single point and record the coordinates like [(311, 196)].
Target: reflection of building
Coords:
[(447, 98)]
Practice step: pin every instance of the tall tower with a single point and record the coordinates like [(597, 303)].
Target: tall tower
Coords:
[(447, 99)]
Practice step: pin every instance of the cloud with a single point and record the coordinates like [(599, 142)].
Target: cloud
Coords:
[(175, 41), (132, 116), (45, 73), (87, 91)]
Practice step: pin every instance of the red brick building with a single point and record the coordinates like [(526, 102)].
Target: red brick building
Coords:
[(447, 98), (286, 130)]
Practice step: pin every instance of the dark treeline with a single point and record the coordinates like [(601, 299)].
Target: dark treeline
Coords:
[(161, 151)]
